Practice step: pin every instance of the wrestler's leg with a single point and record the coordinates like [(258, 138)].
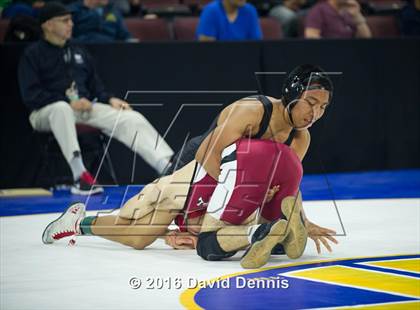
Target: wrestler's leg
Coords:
[(287, 203), (145, 216), (137, 233), (230, 237), (218, 239), (241, 190)]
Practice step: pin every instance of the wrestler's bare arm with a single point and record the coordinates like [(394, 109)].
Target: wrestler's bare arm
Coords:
[(241, 120), (300, 143)]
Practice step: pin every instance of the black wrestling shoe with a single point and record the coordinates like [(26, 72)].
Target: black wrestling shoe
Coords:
[(264, 239), (297, 236), (278, 249)]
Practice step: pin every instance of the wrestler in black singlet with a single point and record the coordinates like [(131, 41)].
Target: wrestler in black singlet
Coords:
[(187, 153)]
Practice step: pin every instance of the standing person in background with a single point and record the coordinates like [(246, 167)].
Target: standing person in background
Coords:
[(229, 20), (336, 19), (60, 87)]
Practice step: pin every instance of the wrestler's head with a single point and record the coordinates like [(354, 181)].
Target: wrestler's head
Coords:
[(307, 92)]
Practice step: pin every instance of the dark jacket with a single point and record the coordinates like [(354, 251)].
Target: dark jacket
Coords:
[(100, 25), (46, 71)]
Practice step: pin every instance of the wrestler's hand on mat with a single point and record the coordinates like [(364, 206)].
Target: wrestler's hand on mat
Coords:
[(117, 103), (181, 240), (272, 192), (320, 235)]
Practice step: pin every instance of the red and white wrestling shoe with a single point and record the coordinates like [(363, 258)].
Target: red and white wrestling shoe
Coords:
[(86, 185), (66, 225)]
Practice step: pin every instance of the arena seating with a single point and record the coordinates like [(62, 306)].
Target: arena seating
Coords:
[(178, 20), (271, 28), (149, 29), (185, 28), (383, 26), (4, 23)]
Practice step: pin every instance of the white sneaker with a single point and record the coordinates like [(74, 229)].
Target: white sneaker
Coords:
[(66, 225)]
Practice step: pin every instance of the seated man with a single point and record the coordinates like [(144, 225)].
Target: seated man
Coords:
[(60, 87), (336, 19), (287, 13), (96, 21), (229, 20), (224, 214)]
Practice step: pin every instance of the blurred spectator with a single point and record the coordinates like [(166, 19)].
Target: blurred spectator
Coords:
[(121, 5), (287, 15), (410, 19), (3, 4), (127, 7), (336, 19), (228, 20), (96, 21), (23, 28), (21, 7), (23, 25)]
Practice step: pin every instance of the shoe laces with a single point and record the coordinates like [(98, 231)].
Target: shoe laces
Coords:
[(77, 232)]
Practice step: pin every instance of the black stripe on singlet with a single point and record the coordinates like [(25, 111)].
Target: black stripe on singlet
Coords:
[(268, 111), (228, 158), (265, 121)]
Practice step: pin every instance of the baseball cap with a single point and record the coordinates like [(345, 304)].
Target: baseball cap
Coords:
[(51, 10)]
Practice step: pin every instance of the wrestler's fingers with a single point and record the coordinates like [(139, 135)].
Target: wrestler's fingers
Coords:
[(332, 239), (318, 246), (329, 231), (326, 245), (182, 247)]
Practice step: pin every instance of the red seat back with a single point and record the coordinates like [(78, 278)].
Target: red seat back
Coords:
[(4, 24), (148, 29), (185, 28), (383, 26), (271, 28)]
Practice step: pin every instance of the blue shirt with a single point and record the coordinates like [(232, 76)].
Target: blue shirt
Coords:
[(214, 23)]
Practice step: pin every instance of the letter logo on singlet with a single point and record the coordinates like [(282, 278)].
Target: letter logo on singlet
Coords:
[(201, 202)]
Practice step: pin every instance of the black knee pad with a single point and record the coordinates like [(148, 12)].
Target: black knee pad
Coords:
[(208, 247)]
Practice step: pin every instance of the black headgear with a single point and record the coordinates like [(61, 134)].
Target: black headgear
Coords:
[(305, 77), (302, 78)]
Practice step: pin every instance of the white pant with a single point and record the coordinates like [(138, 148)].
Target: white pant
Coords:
[(128, 127)]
